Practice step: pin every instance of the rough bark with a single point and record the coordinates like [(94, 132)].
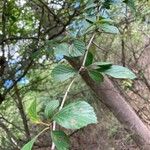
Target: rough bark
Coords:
[(110, 96)]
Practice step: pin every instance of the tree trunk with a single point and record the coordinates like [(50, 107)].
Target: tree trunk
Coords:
[(110, 96)]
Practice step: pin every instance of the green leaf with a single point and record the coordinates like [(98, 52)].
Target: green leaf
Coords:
[(61, 140), (77, 48), (96, 76), (120, 72), (90, 29), (89, 59), (101, 66), (109, 28), (32, 112), (29, 145), (62, 72), (50, 108), (75, 115), (90, 5), (105, 20), (108, 3), (62, 49)]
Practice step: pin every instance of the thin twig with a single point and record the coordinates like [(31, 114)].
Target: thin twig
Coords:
[(87, 49), (43, 123)]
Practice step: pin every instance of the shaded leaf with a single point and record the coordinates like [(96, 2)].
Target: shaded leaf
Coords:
[(120, 72), (96, 76), (89, 59), (62, 72), (61, 140), (50, 108), (76, 115), (101, 66), (108, 3)]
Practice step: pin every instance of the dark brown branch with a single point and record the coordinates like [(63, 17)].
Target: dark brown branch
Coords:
[(22, 112), (123, 61)]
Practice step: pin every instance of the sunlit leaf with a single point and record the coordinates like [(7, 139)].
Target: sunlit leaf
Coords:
[(32, 112), (76, 115)]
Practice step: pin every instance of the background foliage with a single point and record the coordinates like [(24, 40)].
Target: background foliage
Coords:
[(34, 36)]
